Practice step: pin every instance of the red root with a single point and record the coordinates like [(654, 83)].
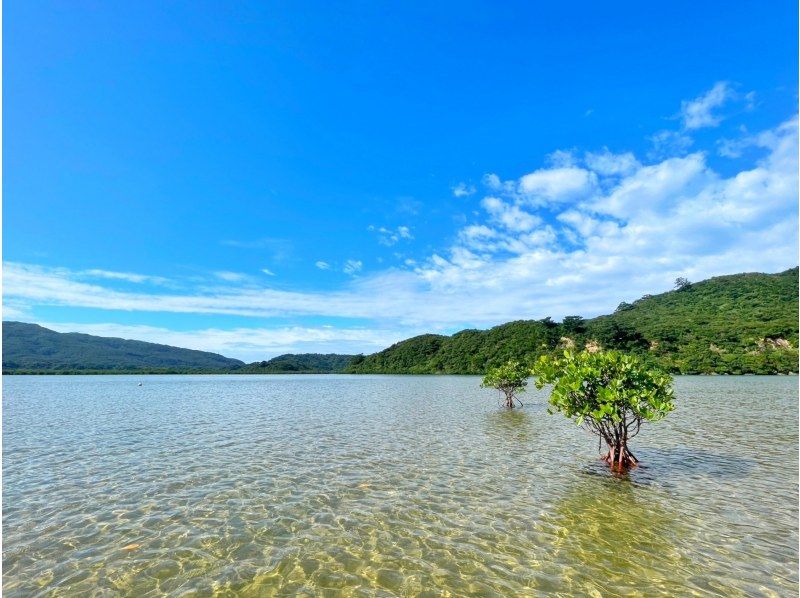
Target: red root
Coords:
[(620, 458)]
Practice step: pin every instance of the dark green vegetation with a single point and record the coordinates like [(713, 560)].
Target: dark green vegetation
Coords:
[(740, 324), (609, 393), (33, 349), (29, 348), (303, 363)]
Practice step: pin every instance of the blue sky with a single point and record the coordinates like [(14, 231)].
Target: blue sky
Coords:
[(258, 178)]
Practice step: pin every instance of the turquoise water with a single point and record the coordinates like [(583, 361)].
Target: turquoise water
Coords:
[(384, 485)]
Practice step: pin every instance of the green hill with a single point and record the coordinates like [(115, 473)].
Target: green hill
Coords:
[(302, 363), (745, 323), (32, 348)]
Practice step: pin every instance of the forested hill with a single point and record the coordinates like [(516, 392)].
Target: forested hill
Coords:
[(745, 323), (33, 348), (301, 363)]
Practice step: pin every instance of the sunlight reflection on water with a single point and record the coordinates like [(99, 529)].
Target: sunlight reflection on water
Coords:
[(279, 485)]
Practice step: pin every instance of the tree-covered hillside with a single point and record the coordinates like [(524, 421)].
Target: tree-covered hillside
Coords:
[(302, 363), (745, 323), (33, 348)]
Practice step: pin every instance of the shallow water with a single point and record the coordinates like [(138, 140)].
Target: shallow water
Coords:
[(388, 485)]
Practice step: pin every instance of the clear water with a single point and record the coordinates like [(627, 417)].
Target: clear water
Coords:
[(382, 485)]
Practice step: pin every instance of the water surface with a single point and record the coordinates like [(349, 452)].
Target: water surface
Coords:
[(388, 485)]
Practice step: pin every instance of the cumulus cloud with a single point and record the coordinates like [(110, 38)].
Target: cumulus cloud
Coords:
[(508, 215), (675, 217), (558, 184), (606, 163)]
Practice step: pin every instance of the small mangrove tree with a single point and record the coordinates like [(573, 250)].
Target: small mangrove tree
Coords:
[(608, 393), (510, 379)]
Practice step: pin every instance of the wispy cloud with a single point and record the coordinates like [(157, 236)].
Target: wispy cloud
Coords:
[(352, 267), (390, 236), (700, 112), (464, 190), (667, 144), (322, 265), (126, 276), (231, 276), (249, 344), (278, 249), (268, 272)]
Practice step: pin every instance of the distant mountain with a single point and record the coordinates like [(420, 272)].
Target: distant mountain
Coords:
[(745, 323), (29, 347), (303, 363)]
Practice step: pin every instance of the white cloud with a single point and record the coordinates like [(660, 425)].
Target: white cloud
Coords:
[(562, 159), (352, 267), (463, 190), (556, 184), (249, 344), (388, 236), (652, 187), (492, 181), (322, 265), (587, 225), (606, 163), (508, 215), (126, 276), (231, 276), (667, 144), (699, 113), (268, 272)]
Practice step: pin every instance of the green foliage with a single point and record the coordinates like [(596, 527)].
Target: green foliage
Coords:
[(302, 363), (407, 357), (682, 284), (510, 378), (573, 325), (740, 324), (603, 386)]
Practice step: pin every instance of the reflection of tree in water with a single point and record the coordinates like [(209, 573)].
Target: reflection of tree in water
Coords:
[(509, 425), (612, 536)]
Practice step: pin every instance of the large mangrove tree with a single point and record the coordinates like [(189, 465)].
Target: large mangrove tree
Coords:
[(608, 393)]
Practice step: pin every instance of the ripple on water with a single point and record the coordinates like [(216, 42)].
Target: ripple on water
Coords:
[(337, 485)]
